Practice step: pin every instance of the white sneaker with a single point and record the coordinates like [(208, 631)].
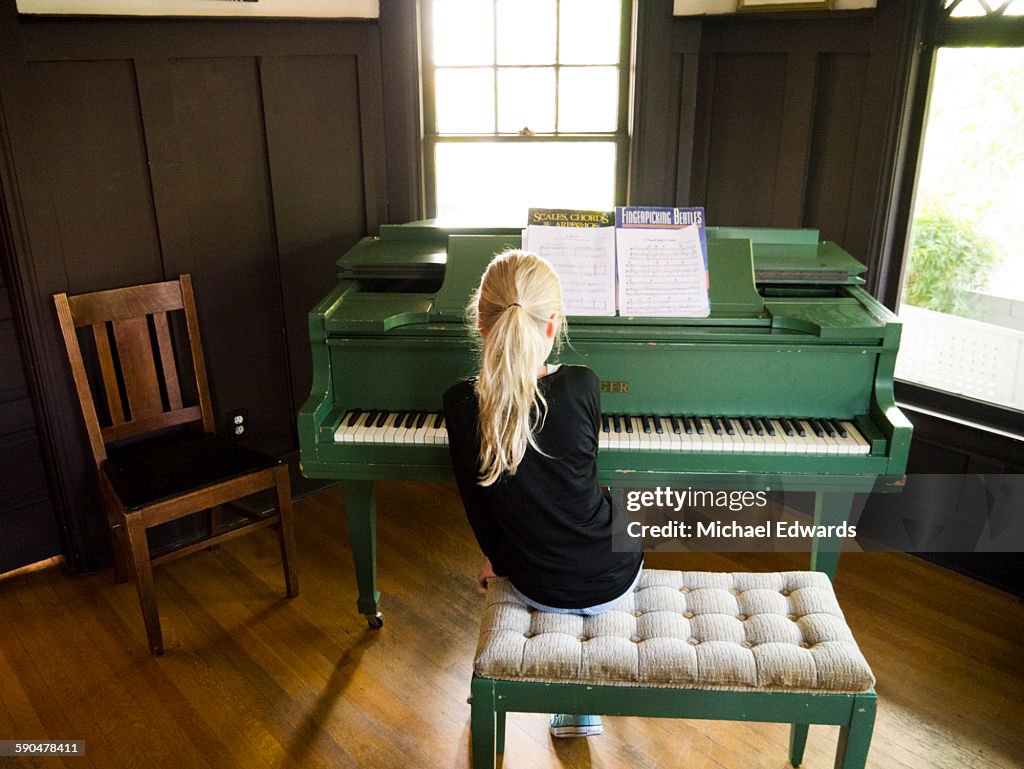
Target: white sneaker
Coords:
[(571, 725)]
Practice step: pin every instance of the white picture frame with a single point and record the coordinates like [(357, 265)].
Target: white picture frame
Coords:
[(323, 9)]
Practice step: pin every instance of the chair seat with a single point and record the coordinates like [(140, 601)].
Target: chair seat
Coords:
[(696, 630), (154, 471)]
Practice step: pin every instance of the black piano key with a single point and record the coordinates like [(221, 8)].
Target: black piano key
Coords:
[(826, 425), (606, 423), (410, 420), (798, 424), (747, 427), (421, 419), (382, 417), (698, 425), (816, 427), (628, 421), (715, 425), (353, 417), (646, 423), (675, 424), (768, 428), (657, 425), (729, 428), (438, 421), (758, 427), (399, 419), (839, 428), (787, 426), (371, 417), (617, 422)]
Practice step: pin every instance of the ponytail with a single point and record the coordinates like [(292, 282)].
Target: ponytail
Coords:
[(518, 297)]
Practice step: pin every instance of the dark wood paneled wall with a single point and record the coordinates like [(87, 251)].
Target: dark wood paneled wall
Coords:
[(248, 153), (27, 521), (772, 120)]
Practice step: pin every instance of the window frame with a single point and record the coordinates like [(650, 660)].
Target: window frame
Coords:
[(620, 137), (938, 29)]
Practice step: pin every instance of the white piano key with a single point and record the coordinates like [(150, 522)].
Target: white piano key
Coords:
[(776, 444), (441, 434), (344, 431), (419, 434), (855, 441), (396, 432), (362, 428), (645, 440)]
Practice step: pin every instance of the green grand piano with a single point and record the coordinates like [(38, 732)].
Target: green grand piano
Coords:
[(786, 385)]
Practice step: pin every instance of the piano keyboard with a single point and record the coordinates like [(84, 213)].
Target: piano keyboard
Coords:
[(630, 432)]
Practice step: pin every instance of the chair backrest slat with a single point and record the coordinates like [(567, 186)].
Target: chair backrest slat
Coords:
[(108, 372), (170, 370), (135, 351), (122, 303), (138, 426)]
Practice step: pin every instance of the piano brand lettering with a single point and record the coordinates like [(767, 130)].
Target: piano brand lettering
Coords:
[(668, 497), (614, 387)]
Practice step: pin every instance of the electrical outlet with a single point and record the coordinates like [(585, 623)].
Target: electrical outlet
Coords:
[(238, 423)]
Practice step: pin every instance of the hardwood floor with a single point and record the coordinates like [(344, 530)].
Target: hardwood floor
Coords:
[(252, 679)]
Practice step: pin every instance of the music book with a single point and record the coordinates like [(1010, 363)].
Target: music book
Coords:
[(581, 247), (635, 261)]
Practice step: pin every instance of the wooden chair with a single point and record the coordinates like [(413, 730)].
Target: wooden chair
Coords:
[(152, 467)]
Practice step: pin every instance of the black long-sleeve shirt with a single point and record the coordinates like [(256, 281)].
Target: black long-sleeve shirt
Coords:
[(549, 527)]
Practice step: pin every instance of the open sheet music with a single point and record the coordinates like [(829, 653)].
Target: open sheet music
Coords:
[(651, 263), (662, 262), (581, 247)]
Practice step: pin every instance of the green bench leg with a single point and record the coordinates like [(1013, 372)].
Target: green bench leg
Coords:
[(797, 743), (499, 744), (855, 739), (484, 724)]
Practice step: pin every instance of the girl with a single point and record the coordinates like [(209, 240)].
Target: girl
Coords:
[(523, 439)]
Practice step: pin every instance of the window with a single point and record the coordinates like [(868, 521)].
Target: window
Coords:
[(525, 105), (962, 294)]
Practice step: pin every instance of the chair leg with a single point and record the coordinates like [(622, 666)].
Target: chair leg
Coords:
[(213, 527), (118, 545), (855, 739), (483, 724), (143, 570), (286, 529), (797, 743)]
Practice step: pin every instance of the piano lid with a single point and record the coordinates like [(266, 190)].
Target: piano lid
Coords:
[(423, 273)]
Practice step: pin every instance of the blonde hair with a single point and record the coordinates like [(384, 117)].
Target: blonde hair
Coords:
[(519, 295)]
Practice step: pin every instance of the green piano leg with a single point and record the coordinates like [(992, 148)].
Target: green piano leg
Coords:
[(361, 512), (831, 508)]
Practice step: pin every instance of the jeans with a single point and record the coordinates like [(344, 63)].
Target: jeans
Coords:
[(588, 611)]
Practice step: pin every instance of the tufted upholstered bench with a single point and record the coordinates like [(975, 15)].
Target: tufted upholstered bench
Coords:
[(745, 646)]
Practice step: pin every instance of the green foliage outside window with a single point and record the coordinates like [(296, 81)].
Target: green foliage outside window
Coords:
[(948, 260)]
